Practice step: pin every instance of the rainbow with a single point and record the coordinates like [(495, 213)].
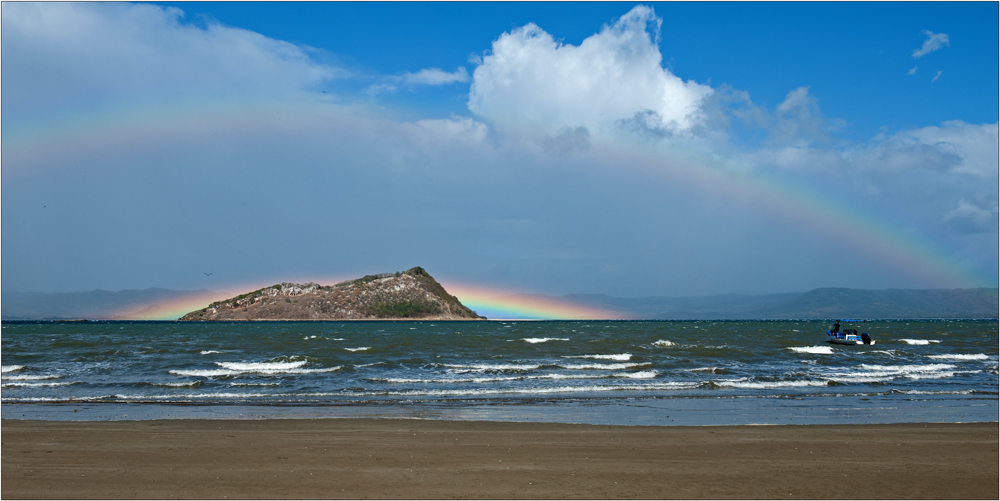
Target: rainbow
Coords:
[(493, 303), (172, 309), (499, 304), (834, 218), (176, 308), (881, 238)]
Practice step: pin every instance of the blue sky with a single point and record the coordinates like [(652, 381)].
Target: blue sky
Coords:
[(851, 55), (626, 149)]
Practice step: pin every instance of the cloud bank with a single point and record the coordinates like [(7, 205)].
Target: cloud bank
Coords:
[(86, 57), (142, 150)]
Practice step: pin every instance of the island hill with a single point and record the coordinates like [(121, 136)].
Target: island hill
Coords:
[(409, 295)]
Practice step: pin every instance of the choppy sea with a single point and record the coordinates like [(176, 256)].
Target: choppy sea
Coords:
[(598, 372)]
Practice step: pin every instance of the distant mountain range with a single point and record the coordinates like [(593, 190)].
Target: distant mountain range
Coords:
[(92, 305), (826, 303)]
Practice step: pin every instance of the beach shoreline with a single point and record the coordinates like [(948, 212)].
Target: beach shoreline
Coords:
[(352, 458)]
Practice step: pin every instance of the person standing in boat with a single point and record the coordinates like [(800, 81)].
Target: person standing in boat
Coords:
[(836, 327)]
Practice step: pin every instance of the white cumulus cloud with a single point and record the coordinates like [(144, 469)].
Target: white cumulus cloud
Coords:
[(934, 42), (436, 76), (532, 82)]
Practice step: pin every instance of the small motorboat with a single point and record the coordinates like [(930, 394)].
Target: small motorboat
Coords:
[(848, 336)]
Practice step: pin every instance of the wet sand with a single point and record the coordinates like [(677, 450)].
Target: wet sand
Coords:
[(417, 459)]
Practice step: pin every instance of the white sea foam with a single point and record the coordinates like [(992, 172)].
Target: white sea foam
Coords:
[(978, 356), (204, 373), (360, 348), (179, 385), (217, 394), (11, 368), (931, 375), (712, 370), (36, 385), (624, 357), (51, 399), (859, 379), (664, 343), (445, 380), (268, 369), (920, 342), (254, 384), (540, 390), (928, 371), (891, 353), (769, 384), (901, 369), (406, 393), (208, 352), (534, 340), (569, 376), (815, 350), (302, 371), (261, 366), (611, 367), (494, 367), (926, 392), (650, 374), (26, 377), (489, 379)]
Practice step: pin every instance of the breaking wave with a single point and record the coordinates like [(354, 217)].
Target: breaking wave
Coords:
[(815, 350)]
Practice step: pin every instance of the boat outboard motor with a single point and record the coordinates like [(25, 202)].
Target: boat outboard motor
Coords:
[(865, 339)]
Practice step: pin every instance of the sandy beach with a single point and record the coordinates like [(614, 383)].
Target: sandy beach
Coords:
[(421, 459)]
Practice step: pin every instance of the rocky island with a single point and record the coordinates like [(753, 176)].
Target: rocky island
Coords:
[(409, 295)]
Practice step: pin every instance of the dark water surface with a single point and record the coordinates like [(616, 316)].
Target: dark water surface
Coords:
[(616, 372)]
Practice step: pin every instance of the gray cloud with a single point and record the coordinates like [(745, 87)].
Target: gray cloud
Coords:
[(800, 122), (576, 138), (84, 56), (969, 218)]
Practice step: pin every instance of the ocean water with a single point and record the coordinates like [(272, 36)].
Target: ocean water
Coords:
[(599, 372)]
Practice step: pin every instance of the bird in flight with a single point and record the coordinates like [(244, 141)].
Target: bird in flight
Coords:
[(208, 274)]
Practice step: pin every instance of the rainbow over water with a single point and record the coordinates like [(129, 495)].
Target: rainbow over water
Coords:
[(493, 303), (498, 304), (172, 309)]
